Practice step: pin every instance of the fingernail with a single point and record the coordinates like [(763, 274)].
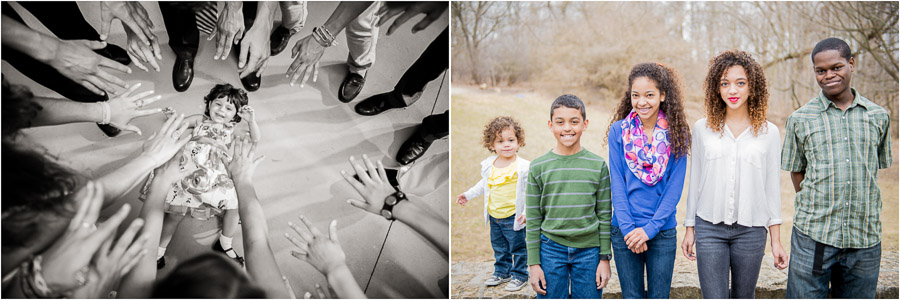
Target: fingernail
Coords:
[(348, 201), (365, 156), (290, 224), (343, 172), (287, 235)]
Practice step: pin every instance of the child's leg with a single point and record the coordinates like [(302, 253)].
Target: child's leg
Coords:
[(502, 256), (557, 269), (660, 260), (229, 227), (584, 273), (170, 225), (629, 267), (516, 240)]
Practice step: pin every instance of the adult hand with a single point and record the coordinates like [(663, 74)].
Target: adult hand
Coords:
[(229, 28), (461, 199), (142, 53), (537, 280), (111, 263), (323, 253), (242, 163), (126, 107), (781, 257), (66, 263), (687, 246), (373, 185), (432, 11), (636, 238), (76, 60), (163, 144), (247, 113), (603, 274), (133, 17), (255, 50), (306, 53), (320, 293)]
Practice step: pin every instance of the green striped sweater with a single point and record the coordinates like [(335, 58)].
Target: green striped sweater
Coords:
[(568, 201)]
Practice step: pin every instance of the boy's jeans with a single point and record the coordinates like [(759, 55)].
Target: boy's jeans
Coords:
[(659, 260), (510, 254), (853, 273), (562, 264)]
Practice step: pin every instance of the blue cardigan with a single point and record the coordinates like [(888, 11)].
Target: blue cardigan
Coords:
[(636, 204)]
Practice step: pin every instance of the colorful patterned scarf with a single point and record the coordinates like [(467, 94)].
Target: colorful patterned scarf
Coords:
[(646, 160)]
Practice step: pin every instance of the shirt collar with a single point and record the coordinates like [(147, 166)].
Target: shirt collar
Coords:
[(824, 103)]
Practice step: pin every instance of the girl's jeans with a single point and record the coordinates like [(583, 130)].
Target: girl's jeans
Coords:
[(510, 254), (721, 248), (659, 260)]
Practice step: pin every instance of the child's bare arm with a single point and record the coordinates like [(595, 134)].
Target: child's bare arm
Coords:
[(249, 114)]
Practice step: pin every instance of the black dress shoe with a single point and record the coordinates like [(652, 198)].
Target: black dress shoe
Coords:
[(161, 263), (251, 82), (115, 53), (351, 87), (109, 130), (183, 73), (279, 40), (412, 149), (237, 258), (374, 105)]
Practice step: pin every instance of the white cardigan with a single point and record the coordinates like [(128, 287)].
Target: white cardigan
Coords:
[(481, 187)]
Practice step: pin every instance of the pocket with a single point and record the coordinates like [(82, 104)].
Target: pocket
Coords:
[(669, 233), (754, 155), (615, 231), (818, 147), (712, 149)]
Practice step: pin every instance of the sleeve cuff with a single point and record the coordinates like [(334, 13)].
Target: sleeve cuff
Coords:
[(774, 222), (651, 230)]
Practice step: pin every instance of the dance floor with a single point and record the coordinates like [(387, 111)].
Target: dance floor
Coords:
[(307, 136)]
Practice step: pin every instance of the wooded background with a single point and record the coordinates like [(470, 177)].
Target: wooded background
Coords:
[(593, 45)]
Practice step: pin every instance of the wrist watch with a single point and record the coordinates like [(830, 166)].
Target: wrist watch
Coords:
[(605, 257), (387, 211)]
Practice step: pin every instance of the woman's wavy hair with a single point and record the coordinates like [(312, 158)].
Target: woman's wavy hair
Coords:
[(669, 84), (493, 129), (236, 96), (18, 108), (757, 102)]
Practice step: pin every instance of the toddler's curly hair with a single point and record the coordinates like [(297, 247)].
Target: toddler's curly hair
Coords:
[(494, 128), (236, 96)]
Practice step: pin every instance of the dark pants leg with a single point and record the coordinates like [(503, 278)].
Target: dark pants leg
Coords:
[(436, 126), (64, 19), (181, 26), (427, 67)]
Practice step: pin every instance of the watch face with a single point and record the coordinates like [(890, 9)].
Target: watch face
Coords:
[(391, 200), (387, 214)]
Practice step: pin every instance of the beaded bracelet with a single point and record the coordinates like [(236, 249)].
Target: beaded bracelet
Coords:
[(106, 113), (323, 37)]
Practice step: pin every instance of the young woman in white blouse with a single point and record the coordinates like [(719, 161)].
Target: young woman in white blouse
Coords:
[(735, 192)]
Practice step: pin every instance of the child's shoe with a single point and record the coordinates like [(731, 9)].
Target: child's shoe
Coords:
[(495, 280), (515, 285)]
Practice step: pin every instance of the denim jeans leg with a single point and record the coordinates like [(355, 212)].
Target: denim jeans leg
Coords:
[(712, 258), (803, 281), (554, 263), (629, 267), (584, 273), (502, 257), (856, 275), (516, 240), (660, 260), (748, 245)]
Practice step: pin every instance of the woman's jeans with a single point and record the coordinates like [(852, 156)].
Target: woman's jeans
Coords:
[(510, 254), (853, 273), (722, 248), (562, 265), (659, 260)]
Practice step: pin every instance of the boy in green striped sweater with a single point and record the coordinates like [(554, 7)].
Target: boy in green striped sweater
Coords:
[(568, 211)]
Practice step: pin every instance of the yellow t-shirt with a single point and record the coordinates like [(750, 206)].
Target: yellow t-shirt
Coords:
[(502, 182)]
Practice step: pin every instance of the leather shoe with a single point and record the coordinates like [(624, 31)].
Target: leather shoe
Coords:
[(374, 105), (279, 40), (412, 149), (161, 263), (218, 248), (183, 73), (115, 53), (109, 130), (251, 82), (350, 87)]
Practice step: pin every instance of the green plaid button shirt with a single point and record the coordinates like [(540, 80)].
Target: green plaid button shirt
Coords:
[(839, 203)]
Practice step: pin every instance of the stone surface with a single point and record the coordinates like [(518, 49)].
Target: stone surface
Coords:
[(468, 281)]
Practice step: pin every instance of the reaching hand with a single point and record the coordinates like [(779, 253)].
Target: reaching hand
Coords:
[(242, 163), (324, 253), (255, 50), (306, 53), (113, 262), (142, 53), (536, 277), (687, 246), (320, 293), (373, 185), (432, 11), (247, 113), (126, 107), (229, 29), (461, 199), (163, 144), (133, 17), (76, 60)]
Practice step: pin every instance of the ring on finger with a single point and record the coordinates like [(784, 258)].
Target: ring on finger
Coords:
[(81, 276), (91, 226), (140, 103), (176, 134)]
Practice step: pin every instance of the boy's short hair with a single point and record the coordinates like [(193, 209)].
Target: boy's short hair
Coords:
[(570, 101), (832, 44)]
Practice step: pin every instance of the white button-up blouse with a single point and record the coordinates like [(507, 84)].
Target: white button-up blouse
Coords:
[(735, 179)]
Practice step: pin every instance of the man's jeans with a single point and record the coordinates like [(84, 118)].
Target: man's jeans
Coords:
[(853, 273), (562, 265), (510, 254), (724, 249), (659, 260)]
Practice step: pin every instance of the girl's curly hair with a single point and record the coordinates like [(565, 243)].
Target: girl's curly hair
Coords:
[(19, 108), (236, 96), (669, 84), (757, 102), (494, 128)]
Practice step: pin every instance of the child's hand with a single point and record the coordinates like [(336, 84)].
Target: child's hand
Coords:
[(521, 219), (324, 253), (242, 163), (461, 199), (247, 113), (603, 274), (373, 185), (537, 280)]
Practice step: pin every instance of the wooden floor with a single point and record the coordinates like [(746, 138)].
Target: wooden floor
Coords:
[(307, 136)]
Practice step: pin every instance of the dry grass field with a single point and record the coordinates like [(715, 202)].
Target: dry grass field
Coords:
[(473, 108)]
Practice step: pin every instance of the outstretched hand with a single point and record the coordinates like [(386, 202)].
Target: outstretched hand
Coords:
[(142, 53), (432, 11), (229, 29), (243, 163), (76, 60), (373, 185), (306, 53), (323, 253), (163, 144), (126, 107), (133, 17)]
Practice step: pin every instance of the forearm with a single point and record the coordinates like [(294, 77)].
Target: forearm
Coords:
[(345, 13), (343, 283), (775, 234), (20, 37), (265, 13), (122, 180), (62, 111), (263, 267), (430, 225), (797, 179), (254, 131)]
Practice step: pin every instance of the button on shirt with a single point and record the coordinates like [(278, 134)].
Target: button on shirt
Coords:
[(840, 152), (735, 179)]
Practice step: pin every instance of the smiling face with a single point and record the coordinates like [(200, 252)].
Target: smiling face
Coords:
[(567, 126), (221, 110), (833, 74), (734, 87), (506, 144), (646, 98)]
